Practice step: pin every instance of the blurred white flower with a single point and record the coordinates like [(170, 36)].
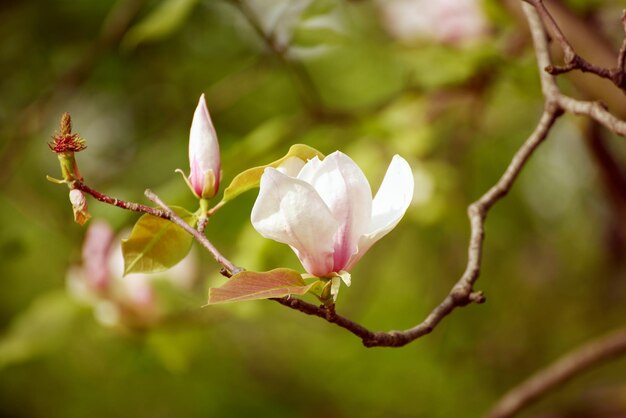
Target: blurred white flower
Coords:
[(448, 21)]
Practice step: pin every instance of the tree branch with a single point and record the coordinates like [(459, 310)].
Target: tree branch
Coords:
[(595, 352), (561, 371), (573, 61), (135, 207), (165, 213)]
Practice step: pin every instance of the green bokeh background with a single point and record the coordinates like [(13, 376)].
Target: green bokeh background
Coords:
[(552, 273)]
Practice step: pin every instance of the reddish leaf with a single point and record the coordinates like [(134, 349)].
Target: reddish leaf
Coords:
[(250, 285)]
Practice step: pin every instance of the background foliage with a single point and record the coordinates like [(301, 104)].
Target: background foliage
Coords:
[(554, 271)]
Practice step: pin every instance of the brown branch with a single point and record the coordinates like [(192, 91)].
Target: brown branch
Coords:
[(135, 207), (574, 61), (561, 371), (551, 92), (592, 353), (165, 213), (595, 111), (228, 267)]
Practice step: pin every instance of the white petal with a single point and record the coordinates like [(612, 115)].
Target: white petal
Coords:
[(389, 206), (290, 211), (310, 168), (345, 190), (346, 277)]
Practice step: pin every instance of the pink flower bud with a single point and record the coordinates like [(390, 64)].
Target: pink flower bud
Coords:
[(204, 154), (79, 206)]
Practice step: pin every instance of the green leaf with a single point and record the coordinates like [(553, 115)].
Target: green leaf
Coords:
[(251, 178), (166, 18), (250, 285), (156, 244)]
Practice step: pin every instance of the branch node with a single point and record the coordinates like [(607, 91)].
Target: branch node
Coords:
[(461, 295), (475, 210), (477, 297)]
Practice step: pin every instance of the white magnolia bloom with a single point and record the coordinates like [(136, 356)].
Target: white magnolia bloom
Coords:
[(204, 153), (325, 212)]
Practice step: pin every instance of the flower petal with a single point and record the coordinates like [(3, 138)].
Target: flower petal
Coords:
[(290, 211), (344, 188), (96, 249), (389, 205)]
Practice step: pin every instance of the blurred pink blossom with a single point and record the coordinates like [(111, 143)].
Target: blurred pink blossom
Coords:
[(119, 299), (448, 21)]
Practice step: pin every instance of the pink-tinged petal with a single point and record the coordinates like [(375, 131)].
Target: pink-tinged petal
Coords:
[(290, 211), (96, 250), (344, 188), (308, 172), (204, 152), (389, 205)]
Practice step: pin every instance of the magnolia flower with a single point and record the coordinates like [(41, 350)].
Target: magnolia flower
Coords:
[(204, 154), (324, 210)]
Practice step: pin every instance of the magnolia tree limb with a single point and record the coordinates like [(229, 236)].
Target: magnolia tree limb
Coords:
[(123, 204), (572, 364), (595, 352), (573, 61)]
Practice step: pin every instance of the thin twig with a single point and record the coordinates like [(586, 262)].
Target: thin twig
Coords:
[(561, 371), (229, 268), (595, 111), (574, 61), (165, 213), (135, 207), (568, 51)]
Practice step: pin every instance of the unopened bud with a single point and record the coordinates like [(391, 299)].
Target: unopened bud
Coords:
[(65, 141), (79, 206), (204, 154), (65, 144)]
